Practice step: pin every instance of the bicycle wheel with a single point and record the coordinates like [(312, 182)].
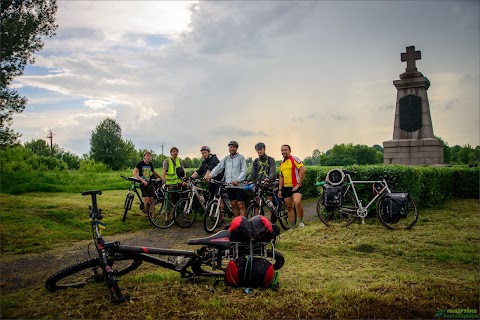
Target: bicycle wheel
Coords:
[(342, 216), (397, 223), (279, 259), (185, 216), (212, 216), (89, 271), (253, 210), (127, 205), (282, 215), (161, 213)]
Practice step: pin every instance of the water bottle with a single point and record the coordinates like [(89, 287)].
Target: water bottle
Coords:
[(201, 199), (270, 205)]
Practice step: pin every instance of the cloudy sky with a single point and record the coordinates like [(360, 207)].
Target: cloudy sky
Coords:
[(306, 73)]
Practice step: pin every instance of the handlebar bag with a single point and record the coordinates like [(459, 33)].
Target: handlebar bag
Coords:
[(394, 205), (333, 197), (251, 272)]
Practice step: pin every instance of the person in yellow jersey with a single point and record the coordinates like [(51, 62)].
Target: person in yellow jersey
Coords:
[(292, 173), (173, 174)]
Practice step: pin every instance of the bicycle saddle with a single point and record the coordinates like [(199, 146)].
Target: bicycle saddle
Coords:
[(86, 193), (220, 240)]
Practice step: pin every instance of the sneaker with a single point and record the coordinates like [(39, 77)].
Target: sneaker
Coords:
[(301, 224)]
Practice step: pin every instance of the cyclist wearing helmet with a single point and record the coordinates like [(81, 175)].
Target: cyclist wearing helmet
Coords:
[(210, 161), (263, 169), (235, 168)]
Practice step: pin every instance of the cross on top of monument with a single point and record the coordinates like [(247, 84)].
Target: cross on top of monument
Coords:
[(410, 56)]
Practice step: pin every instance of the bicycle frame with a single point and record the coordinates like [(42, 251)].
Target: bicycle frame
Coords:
[(363, 211), (194, 192)]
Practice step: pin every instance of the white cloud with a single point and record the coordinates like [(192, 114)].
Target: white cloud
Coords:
[(306, 73)]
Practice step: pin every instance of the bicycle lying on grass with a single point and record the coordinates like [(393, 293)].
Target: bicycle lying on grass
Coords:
[(114, 260), (339, 203), (278, 211)]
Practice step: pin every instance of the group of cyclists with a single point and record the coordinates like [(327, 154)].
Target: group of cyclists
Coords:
[(232, 170)]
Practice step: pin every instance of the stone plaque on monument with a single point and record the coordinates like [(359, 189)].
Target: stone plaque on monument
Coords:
[(410, 113), (413, 140)]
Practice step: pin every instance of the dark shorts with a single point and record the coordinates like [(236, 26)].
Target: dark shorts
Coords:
[(148, 190), (212, 190), (236, 194), (287, 192)]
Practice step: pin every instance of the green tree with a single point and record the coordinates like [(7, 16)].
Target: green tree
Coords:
[(23, 23), (108, 146), (39, 147)]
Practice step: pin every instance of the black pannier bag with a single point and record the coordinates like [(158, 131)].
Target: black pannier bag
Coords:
[(240, 230), (261, 228), (394, 206), (250, 272), (333, 197)]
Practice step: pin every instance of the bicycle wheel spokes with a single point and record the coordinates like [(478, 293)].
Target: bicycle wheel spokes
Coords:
[(282, 215), (89, 271), (398, 222), (185, 214), (212, 216), (341, 216), (161, 213)]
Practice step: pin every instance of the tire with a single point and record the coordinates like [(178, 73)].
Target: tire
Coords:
[(342, 216), (252, 209), (89, 271), (279, 259), (127, 205), (398, 223), (183, 218), (161, 214), (212, 216), (282, 213)]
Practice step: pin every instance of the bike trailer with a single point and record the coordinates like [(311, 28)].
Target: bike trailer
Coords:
[(332, 197), (394, 205), (251, 272)]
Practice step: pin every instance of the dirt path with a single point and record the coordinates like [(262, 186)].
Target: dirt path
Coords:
[(31, 270)]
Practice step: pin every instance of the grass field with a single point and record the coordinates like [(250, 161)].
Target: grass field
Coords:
[(363, 271)]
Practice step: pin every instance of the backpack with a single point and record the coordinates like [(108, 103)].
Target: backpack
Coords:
[(333, 197), (251, 272), (394, 206)]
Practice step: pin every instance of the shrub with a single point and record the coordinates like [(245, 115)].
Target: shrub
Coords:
[(91, 165)]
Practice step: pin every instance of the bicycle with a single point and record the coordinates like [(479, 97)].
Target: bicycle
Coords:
[(131, 196), (114, 260), (187, 208), (278, 210), (339, 203), (161, 211), (211, 217)]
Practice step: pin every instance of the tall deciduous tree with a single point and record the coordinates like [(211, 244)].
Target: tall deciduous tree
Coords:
[(108, 146), (23, 23)]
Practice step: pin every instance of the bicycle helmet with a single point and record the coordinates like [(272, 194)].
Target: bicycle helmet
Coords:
[(233, 143), (206, 148), (259, 146)]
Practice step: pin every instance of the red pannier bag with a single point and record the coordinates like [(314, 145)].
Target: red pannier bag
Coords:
[(250, 272), (261, 229), (240, 230)]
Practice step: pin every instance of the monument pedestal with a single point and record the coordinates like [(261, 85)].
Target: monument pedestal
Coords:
[(413, 151), (413, 140)]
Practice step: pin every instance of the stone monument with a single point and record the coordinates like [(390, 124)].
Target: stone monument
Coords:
[(413, 141)]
